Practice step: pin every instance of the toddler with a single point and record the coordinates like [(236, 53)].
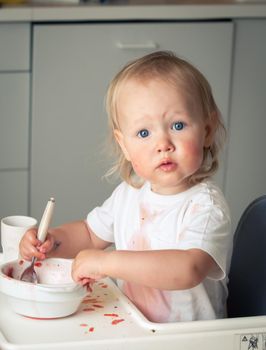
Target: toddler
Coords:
[(169, 222)]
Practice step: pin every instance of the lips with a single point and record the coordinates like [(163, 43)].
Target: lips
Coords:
[(167, 165)]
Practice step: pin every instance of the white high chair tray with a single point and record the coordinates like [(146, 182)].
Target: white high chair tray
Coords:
[(108, 320)]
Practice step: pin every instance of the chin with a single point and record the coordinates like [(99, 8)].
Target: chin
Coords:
[(175, 186)]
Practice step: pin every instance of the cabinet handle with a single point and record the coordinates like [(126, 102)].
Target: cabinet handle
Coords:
[(149, 45)]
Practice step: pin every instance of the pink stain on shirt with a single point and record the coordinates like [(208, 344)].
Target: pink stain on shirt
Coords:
[(140, 239), (153, 303)]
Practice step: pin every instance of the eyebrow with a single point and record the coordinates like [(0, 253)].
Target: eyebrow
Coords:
[(165, 115)]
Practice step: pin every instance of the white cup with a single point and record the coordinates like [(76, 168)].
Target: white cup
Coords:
[(12, 230)]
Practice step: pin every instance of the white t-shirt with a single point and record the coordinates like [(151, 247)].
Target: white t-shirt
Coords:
[(139, 219)]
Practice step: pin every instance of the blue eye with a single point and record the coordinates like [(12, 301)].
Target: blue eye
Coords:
[(143, 133), (178, 126)]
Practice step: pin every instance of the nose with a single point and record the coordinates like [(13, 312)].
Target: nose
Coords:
[(165, 145)]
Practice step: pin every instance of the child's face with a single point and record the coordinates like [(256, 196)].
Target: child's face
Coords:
[(159, 136)]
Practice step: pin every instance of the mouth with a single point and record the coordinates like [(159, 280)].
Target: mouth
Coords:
[(167, 165)]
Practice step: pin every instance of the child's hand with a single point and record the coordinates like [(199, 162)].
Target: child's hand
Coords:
[(87, 266), (30, 246)]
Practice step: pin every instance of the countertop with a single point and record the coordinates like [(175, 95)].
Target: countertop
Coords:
[(119, 10)]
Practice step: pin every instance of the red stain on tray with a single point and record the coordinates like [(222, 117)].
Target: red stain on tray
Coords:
[(92, 303), (111, 315), (114, 322), (91, 300), (38, 264), (21, 262), (89, 330)]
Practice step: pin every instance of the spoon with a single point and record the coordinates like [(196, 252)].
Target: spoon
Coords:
[(29, 274)]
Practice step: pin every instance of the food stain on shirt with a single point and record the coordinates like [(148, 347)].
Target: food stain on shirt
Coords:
[(146, 299)]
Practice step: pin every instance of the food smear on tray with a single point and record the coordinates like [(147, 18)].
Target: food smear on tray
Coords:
[(95, 303)]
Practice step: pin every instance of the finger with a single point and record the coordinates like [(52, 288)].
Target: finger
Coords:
[(89, 287), (84, 281), (37, 254), (28, 255), (46, 247), (30, 251), (32, 240)]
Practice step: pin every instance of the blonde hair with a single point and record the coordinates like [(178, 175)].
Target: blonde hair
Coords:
[(166, 66)]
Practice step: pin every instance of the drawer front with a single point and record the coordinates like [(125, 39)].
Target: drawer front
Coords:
[(14, 120), (15, 46)]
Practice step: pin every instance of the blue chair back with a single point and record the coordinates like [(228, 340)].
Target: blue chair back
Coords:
[(247, 276)]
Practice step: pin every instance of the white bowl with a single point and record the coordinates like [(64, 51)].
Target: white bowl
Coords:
[(55, 296)]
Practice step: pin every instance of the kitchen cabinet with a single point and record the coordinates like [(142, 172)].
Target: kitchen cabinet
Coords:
[(14, 132), (15, 122), (246, 166), (15, 47), (72, 65), (13, 189)]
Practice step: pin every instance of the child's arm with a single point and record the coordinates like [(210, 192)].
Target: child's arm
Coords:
[(64, 241), (162, 269), (73, 237)]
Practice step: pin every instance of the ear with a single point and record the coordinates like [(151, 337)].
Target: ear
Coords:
[(120, 140), (210, 128)]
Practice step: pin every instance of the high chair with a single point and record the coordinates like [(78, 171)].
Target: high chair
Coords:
[(247, 276)]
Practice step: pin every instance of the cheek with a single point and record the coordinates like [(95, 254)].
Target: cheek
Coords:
[(193, 152), (139, 164), (138, 158)]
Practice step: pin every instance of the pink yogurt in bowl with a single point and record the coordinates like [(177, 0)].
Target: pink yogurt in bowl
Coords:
[(56, 295)]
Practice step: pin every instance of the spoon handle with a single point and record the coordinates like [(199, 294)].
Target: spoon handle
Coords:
[(46, 220)]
